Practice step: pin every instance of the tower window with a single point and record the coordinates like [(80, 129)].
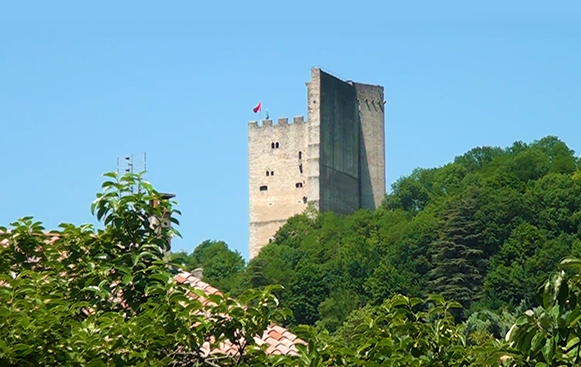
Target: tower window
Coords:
[(263, 188), (268, 173), (300, 155), (275, 145), (298, 185), (300, 167), (272, 173), (272, 145)]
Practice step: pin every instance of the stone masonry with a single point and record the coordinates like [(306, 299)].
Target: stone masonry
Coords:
[(335, 160)]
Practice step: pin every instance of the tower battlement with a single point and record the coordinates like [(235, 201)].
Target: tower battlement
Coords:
[(281, 122), (334, 160)]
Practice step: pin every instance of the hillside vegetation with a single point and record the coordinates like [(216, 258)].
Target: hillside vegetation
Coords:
[(483, 230), (466, 265)]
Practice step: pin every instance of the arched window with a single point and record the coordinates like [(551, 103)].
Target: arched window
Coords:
[(268, 173), (298, 185), (300, 155), (276, 145)]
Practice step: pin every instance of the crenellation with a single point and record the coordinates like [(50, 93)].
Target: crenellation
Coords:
[(281, 122), (275, 196), (331, 160)]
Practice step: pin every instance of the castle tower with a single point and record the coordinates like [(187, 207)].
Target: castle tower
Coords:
[(335, 160)]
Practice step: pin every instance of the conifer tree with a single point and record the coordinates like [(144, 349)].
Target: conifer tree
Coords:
[(458, 266)]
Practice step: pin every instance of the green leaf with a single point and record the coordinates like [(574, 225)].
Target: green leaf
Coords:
[(537, 341), (163, 278), (572, 343), (547, 349), (21, 347), (574, 317), (570, 263), (454, 304), (127, 279), (414, 301), (522, 320)]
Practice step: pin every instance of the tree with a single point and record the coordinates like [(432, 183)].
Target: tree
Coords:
[(403, 331), (549, 335), (410, 193), (458, 264), (456, 230), (222, 267), (107, 297)]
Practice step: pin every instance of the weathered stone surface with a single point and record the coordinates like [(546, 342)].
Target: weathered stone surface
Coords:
[(334, 160)]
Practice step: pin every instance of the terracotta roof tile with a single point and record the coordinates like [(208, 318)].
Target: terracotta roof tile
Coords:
[(278, 339), (285, 341), (279, 329), (180, 278), (283, 349), (274, 334), (287, 335), (272, 350)]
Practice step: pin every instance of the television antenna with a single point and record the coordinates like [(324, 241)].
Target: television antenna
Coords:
[(134, 163)]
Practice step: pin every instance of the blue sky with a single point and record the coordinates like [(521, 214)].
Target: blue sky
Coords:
[(81, 85)]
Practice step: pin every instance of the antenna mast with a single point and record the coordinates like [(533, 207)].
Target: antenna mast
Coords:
[(134, 163)]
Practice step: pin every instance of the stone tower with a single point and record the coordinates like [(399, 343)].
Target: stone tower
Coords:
[(335, 160)]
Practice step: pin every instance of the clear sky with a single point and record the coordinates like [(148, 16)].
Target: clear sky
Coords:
[(82, 84)]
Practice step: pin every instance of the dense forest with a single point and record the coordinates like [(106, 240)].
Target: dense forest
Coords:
[(483, 230)]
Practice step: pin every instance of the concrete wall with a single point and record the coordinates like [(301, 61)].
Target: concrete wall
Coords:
[(372, 144), (343, 157), (314, 136), (269, 209), (339, 146)]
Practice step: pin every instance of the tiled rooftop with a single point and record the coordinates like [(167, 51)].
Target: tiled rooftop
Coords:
[(278, 339)]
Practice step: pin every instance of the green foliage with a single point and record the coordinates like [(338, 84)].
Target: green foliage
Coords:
[(81, 296), (459, 263), (482, 230), (550, 335), (221, 267), (402, 331), (471, 240)]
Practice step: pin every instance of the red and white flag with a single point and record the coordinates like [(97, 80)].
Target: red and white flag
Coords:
[(258, 107)]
